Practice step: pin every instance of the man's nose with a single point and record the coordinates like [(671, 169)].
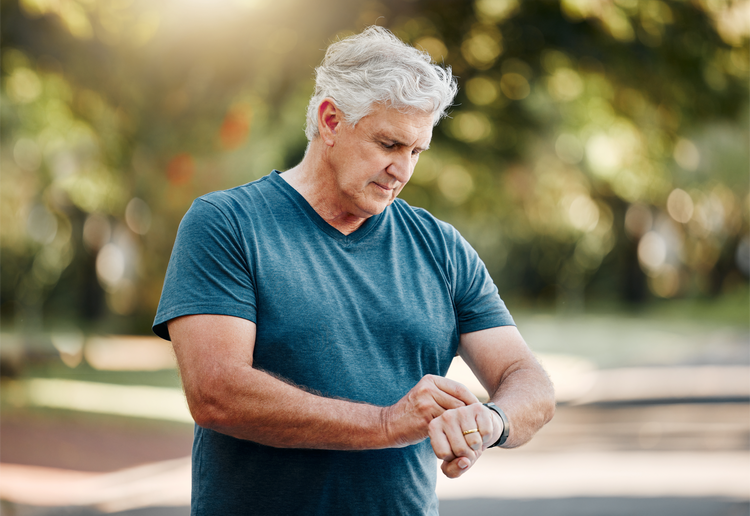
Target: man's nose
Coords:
[(401, 167)]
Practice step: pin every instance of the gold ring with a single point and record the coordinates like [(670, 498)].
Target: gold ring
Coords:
[(467, 432)]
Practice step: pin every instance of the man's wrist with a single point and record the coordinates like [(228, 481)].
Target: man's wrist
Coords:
[(506, 424), (386, 423)]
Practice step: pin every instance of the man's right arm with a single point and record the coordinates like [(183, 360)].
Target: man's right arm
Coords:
[(226, 394)]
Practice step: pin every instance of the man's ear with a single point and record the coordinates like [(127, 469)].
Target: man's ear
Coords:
[(330, 119)]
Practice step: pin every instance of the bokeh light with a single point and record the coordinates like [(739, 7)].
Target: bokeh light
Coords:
[(180, 169), (565, 85), (638, 220), (455, 183), (23, 86), (665, 282), (42, 225), (236, 126), (97, 231), (110, 265), (515, 86), (686, 154), (604, 155), (70, 346), (482, 46), (433, 46), (138, 216), (470, 126), (481, 91), (680, 205), (652, 252), (495, 10)]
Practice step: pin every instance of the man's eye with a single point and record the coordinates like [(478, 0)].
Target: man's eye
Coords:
[(389, 145)]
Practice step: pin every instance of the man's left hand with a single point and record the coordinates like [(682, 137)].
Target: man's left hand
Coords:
[(457, 450)]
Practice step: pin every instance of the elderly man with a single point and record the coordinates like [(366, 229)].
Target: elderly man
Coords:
[(314, 315)]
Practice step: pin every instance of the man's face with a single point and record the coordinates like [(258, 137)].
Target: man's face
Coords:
[(373, 160)]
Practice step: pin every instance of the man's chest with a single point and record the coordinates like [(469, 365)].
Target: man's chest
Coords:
[(351, 321)]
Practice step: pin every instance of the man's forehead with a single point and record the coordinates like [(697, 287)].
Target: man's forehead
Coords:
[(408, 128)]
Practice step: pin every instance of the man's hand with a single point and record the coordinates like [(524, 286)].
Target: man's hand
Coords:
[(457, 450), (408, 421), (507, 369)]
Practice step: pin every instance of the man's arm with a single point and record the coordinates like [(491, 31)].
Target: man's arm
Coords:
[(517, 384), (225, 393)]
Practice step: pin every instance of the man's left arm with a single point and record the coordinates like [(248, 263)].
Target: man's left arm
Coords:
[(517, 384)]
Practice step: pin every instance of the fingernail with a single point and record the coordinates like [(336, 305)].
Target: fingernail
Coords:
[(476, 446), (463, 464)]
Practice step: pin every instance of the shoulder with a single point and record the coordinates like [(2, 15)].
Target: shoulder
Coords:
[(232, 207), (426, 223), (237, 197)]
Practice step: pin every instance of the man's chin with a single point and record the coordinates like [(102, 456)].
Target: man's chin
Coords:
[(376, 208)]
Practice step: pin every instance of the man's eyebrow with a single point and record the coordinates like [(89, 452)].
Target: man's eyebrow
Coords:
[(394, 141)]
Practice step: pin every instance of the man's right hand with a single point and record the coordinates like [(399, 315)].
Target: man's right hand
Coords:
[(407, 422)]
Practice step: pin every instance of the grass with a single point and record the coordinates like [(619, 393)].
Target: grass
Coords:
[(54, 368)]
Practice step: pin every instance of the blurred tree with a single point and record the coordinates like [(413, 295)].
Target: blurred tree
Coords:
[(115, 116), (598, 148), (578, 116)]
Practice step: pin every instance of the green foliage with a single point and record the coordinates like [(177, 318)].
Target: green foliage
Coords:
[(597, 151), (569, 115)]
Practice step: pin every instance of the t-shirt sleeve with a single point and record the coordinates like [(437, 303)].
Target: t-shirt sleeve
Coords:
[(477, 301), (209, 270)]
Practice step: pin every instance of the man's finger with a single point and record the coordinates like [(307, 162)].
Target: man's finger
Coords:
[(446, 400), (460, 446), (440, 445), (455, 468), (480, 421), (455, 389), (474, 439)]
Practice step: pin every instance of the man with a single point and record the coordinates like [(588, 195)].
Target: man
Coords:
[(314, 315)]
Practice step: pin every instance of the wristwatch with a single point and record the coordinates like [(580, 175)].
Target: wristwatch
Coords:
[(506, 425)]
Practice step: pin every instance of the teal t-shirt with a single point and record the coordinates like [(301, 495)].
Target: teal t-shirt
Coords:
[(362, 316)]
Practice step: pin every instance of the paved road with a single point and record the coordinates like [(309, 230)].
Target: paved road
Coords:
[(619, 506), (615, 456), (616, 506), (687, 459)]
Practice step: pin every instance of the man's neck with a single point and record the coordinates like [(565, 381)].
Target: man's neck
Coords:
[(313, 180)]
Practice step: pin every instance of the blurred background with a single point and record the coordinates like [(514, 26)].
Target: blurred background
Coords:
[(597, 158)]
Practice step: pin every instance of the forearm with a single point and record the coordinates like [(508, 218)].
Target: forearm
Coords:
[(258, 407), (527, 397), (227, 394)]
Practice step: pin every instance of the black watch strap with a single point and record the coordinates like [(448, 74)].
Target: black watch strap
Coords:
[(506, 425)]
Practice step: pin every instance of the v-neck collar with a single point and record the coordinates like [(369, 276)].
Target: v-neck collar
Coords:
[(350, 239)]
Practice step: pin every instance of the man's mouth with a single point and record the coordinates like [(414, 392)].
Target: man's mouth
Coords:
[(385, 188)]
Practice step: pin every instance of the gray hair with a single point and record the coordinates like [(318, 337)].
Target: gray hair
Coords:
[(376, 67)]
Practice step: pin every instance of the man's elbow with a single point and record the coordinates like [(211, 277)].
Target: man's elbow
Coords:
[(549, 407), (548, 404), (207, 408), (543, 405), (207, 415)]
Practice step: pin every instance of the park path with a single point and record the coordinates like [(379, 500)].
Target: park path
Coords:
[(642, 438), (618, 446)]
